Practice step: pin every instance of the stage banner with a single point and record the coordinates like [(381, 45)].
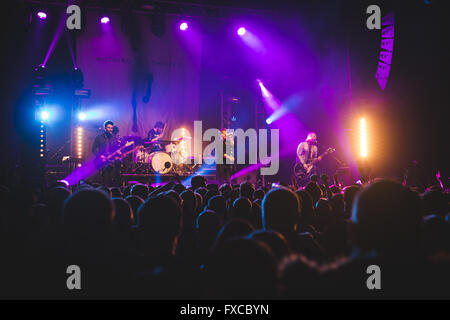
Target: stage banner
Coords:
[(137, 78)]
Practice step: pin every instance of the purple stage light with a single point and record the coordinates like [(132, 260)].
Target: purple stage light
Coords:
[(264, 90), (104, 20), (241, 31), (42, 15), (183, 26)]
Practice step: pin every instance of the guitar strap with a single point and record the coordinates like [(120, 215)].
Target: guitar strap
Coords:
[(309, 152)]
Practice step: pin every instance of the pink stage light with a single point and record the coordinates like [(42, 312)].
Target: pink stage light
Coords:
[(241, 31), (183, 26), (42, 15), (104, 20)]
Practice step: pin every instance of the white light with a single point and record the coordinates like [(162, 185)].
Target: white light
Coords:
[(45, 115), (363, 137)]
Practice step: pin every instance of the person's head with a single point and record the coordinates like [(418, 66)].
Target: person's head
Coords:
[(233, 229), (280, 210), (123, 218), (306, 205), (105, 190), (159, 127), (349, 196), (202, 191), (207, 226), (223, 132), (116, 193), (337, 204), (126, 191), (88, 214), (175, 196), (210, 193), (189, 202), (225, 189), (198, 182), (179, 188), (246, 190), (241, 268), (387, 219), (242, 209), (311, 137), (323, 213), (140, 190), (219, 205), (315, 191), (159, 223), (109, 126), (275, 240), (135, 202), (54, 200), (259, 194)]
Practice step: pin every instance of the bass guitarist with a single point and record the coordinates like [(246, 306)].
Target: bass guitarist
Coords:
[(307, 151), (105, 144)]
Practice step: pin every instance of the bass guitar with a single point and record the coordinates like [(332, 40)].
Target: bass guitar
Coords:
[(302, 173)]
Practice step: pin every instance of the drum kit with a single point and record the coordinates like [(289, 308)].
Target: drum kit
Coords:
[(144, 159)]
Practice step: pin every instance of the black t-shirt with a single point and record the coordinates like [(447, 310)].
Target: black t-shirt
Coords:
[(103, 144)]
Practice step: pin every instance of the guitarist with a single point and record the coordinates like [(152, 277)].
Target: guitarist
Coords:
[(307, 151), (104, 144)]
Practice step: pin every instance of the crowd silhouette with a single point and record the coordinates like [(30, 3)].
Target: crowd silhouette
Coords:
[(208, 241)]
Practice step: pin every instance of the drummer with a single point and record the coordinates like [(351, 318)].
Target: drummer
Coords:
[(154, 135)]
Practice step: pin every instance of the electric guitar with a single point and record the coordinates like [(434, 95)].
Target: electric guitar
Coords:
[(302, 173), (107, 158)]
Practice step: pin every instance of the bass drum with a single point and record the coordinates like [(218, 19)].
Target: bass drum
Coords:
[(161, 162)]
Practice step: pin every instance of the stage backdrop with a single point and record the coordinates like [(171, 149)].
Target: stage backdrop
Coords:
[(124, 62)]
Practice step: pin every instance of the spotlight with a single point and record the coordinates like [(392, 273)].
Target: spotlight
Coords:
[(42, 15), (183, 26), (241, 31), (269, 120), (82, 116), (363, 138), (45, 115), (104, 20)]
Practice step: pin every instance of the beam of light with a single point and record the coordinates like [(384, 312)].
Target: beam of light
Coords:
[(105, 20), (203, 169), (85, 171), (287, 106), (363, 138), (42, 15), (184, 26), (241, 31), (253, 42), (269, 99), (45, 115), (254, 167), (72, 54), (60, 28), (82, 116)]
